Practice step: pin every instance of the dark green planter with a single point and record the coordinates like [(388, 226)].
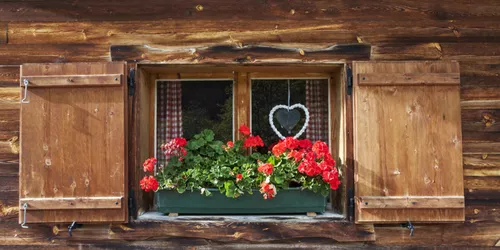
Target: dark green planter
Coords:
[(287, 201)]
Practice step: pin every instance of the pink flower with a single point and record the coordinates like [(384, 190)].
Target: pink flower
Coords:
[(268, 190)]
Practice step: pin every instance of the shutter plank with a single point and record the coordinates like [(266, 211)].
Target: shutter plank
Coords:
[(73, 142), (407, 142), (73, 203), (410, 202), (409, 79), (73, 80)]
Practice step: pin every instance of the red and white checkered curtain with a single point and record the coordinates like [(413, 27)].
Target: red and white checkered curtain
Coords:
[(317, 104), (168, 114)]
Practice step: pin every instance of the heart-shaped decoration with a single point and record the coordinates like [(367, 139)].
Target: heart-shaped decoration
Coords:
[(287, 110), (288, 119)]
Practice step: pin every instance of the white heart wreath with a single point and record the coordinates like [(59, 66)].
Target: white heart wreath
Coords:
[(298, 105)]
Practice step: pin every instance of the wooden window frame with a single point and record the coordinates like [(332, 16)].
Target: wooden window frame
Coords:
[(143, 118)]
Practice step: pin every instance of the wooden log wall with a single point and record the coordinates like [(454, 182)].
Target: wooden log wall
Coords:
[(82, 31)]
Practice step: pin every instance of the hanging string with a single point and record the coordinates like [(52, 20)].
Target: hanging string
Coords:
[(288, 93)]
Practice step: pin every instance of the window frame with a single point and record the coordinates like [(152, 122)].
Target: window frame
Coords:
[(242, 75)]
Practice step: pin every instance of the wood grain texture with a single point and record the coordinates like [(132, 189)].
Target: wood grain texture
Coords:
[(72, 80), (407, 142), (392, 202), (73, 142), (426, 10), (239, 54), (242, 102), (72, 203), (51, 53), (405, 79), (9, 76)]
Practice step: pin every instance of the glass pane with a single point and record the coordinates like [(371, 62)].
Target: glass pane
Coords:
[(206, 104), (271, 92)]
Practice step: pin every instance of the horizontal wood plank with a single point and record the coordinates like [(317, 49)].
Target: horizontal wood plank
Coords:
[(73, 80), (53, 53), (409, 79), (240, 54), (392, 202), (72, 203), (9, 76), (418, 13)]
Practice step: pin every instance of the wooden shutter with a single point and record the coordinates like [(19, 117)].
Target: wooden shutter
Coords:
[(407, 142), (73, 143)]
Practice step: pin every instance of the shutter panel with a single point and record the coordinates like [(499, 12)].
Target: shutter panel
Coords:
[(407, 142), (73, 143)]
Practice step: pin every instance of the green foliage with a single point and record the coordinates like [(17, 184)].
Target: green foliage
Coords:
[(210, 163)]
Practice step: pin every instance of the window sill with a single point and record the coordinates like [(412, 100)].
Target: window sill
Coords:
[(158, 217)]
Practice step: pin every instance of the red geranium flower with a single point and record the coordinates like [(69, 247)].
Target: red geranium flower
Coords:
[(239, 177), (244, 129), (266, 168), (328, 163), (320, 148), (279, 149), (149, 183), (149, 165), (268, 190), (309, 167), (291, 143), (305, 143), (180, 141), (253, 141), (296, 155), (334, 184)]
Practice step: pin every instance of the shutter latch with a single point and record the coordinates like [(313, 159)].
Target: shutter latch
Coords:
[(349, 79), (410, 226), (71, 227), (25, 82), (25, 206)]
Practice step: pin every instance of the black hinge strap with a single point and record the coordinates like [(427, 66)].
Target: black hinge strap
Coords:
[(350, 212), (131, 82), (349, 79)]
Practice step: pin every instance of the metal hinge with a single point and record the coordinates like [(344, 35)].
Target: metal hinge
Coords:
[(350, 212), (131, 82), (131, 204), (349, 79)]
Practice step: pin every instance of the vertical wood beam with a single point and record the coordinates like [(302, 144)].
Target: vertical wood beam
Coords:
[(241, 102)]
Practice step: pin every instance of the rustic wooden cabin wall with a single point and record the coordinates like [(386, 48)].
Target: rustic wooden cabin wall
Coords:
[(50, 31)]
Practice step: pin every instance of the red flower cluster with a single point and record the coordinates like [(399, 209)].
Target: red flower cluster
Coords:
[(244, 130), (175, 147), (268, 190), (250, 141), (314, 159), (266, 168), (149, 165), (253, 141), (239, 177), (332, 177), (291, 143), (149, 183)]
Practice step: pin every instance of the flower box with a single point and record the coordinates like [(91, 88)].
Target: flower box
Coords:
[(291, 200)]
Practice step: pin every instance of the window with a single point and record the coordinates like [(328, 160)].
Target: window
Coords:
[(187, 100), (313, 93), (185, 107)]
